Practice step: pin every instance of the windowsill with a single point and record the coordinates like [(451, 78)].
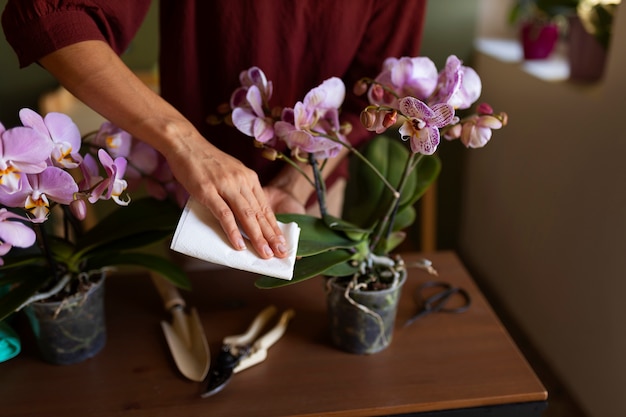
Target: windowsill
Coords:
[(554, 68)]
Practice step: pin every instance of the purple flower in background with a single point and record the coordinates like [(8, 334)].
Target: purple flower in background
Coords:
[(63, 133), (22, 151), (415, 77), (13, 233)]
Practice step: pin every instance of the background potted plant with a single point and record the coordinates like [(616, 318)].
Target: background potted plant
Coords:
[(590, 30), (386, 177), (540, 24), (56, 267)]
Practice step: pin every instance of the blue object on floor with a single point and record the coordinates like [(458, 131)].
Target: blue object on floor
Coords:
[(10, 344)]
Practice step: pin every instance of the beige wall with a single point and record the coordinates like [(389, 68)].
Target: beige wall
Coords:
[(544, 220)]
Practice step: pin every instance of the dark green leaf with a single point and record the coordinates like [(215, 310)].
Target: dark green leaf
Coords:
[(30, 283), (164, 267), (315, 235), (141, 216), (308, 268)]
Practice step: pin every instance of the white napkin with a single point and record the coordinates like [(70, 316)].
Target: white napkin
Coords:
[(200, 235)]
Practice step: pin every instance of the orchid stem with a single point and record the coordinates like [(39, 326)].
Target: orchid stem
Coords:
[(369, 164), (320, 189), (387, 221)]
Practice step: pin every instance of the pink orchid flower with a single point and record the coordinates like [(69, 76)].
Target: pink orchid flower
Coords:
[(115, 169), (251, 120), (458, 85), (423, 123), (14, 233), (22, 151), (415, 77), (63, 132), (476, 132), (38, 191), (305, 126), (116, 141)]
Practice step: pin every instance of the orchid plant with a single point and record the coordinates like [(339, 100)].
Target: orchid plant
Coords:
[(386, 177), (40, 163)]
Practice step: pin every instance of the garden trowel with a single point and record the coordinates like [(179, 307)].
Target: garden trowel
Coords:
[(185, 335)]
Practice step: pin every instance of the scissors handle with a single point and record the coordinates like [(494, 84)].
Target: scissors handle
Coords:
[(438, 301)]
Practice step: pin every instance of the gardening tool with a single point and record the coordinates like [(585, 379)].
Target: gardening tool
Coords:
[(439, 300), (185, 336), (240, 352)]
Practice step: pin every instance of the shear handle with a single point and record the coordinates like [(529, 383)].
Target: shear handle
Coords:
[(245, 339), (258, 352)]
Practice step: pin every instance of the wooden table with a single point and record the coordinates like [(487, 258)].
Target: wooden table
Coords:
[(463, 363)]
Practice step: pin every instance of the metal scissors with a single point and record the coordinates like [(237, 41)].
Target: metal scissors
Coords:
[(438, 301), (242, 351)]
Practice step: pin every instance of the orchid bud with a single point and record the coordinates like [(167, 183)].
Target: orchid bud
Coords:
[(213, 120), (79, 209), (345, 128), (276, 112), (223, 108), (454, 132), (270, 154), (360, 88), (484, 108), (504, 118), (390, 119), (377, 92), (368, 118)]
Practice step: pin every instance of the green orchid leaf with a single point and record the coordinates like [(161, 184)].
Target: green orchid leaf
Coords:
[(13, 263), (31, 280), (366, 197), (392, 241), (425, 175), (315, 236), (129, 242), (404, 218), (342, 270), (308, 267), (164, 267), (139, 217), (352, 231)]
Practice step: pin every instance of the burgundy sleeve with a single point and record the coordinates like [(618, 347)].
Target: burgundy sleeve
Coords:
[(35, 28)]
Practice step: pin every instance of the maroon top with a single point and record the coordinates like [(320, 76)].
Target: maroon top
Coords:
[(205, 44)]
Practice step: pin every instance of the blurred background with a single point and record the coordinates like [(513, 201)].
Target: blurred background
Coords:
[(538, 215)]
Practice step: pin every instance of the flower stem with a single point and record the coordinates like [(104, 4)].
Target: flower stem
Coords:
[(320, 187), (359, 155), (386, 225)]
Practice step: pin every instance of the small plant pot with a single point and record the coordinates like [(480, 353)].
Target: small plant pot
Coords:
[(586, 55), (72, 330), (538, 39), (362, 322)]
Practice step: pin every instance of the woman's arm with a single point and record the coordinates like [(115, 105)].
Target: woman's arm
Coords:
[(97, 76)]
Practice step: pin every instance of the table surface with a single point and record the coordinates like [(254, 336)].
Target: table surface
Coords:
[(440, 362)]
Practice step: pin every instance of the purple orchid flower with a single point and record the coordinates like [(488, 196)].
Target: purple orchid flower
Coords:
[(14, 233), (458, 85), (116, 141), (22, 151), (115, 183), (423, 123), (415, 77), (251, 119), (38, 191), (305, 127), (63, 132)]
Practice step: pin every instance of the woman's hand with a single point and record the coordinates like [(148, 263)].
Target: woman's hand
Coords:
[(232, 192)]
